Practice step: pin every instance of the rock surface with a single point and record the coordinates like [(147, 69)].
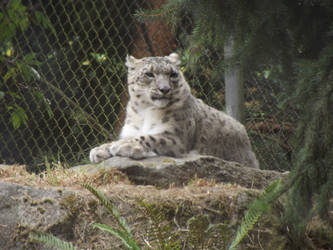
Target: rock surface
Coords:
[(165, 171), (23, 207), (69, 213)]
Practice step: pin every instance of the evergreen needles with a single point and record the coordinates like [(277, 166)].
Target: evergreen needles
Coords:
[(313, 187)]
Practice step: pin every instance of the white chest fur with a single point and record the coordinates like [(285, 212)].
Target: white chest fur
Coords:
[(146, 122)]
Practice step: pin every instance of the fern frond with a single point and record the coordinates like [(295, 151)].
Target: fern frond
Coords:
[(124, 234), (160, 232), (255, 211), (198, 227), (107, 203), (127, 239), (52, 241)]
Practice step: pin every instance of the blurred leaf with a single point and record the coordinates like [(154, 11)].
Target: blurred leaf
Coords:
[(14, 4), (14, 95), (19, 116), (24, 23), (267, 73), (9, 51), (42, 100), (38, 16), (2, 95), (86, 63), (39, 97), (44, 21), (31, 59), (98, 57), (8, 30), (11, 73), (17, 14), (12, 16), (25, 70)]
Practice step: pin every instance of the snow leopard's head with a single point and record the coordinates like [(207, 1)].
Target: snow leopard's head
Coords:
[(157, 81)]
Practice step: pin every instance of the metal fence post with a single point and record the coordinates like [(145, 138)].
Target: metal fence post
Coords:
[(234, 90)]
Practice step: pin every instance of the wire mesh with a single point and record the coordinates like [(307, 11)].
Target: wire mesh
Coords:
[(77, 98)]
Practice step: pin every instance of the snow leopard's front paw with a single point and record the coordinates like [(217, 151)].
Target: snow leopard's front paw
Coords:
[(130, 148), (100, 153)]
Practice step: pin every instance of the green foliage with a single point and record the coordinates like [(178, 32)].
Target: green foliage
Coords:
[(314, 140), (294, 39), (255, 26), (198, 234), (21, 68), (14, 18), (124, 233), (159, 232), (18, 115), (202, 234), (256, 209), (127, 239), (52, 241), (17, 17)]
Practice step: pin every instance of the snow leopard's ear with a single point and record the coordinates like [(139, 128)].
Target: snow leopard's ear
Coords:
[(131, 61), (174, 58)]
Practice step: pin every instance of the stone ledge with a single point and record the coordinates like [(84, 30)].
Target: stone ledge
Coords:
[(165, 171)]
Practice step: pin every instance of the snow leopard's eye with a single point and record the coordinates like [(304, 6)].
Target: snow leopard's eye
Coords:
[(173, 74), (150, 74)]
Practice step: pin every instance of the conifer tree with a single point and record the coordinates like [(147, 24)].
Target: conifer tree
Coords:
[(297, 37)]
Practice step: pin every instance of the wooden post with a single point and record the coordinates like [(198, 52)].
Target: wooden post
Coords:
[(234, 89)]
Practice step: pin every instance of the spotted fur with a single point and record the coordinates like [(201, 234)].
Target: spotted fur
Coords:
[(164, 118)]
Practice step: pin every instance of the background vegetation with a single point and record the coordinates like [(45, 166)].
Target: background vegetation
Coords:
[(286, 48)]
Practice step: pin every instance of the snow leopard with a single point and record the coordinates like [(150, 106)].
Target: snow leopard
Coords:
[(163, 118)]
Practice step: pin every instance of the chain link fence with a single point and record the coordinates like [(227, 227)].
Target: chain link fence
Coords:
[(76, 96)]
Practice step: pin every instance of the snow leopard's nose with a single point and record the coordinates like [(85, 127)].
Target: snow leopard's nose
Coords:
[(163, 84), (164, 89)]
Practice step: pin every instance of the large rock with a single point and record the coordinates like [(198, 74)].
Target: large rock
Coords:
[(166, 171), (23, 207), (69, 213), (55, 203)]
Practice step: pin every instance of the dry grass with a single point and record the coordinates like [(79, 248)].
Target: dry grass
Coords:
[(58, 176), (113, 181)]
